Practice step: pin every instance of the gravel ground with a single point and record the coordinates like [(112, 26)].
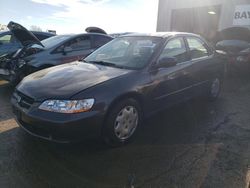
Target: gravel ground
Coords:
[(196, 144)]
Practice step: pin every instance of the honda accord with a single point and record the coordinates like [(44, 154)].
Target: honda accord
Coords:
[(110, 92)]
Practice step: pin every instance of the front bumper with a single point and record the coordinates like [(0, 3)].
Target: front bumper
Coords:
[(61, 128)]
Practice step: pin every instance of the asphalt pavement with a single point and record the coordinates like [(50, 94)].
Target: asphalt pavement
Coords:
[(195, 144)]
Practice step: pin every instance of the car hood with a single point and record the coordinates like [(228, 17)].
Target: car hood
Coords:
[(233, 46), (64, 81), (23, 35), (234, 33)]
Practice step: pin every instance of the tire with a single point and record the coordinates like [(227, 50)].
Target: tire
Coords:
[(122, 123), (214, 89)]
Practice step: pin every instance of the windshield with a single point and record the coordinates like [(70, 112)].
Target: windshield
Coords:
[(52, 41), (128, 52)]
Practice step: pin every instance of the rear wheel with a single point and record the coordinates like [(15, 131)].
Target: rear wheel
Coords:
[(122, 122)]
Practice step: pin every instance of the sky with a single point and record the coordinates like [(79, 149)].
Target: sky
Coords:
[(73, 16)]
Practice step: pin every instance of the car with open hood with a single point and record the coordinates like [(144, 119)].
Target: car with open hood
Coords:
[(110, 92), (36, 55), (235, 41)]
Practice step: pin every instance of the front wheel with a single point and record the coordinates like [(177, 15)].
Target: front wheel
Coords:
[(122, 122)]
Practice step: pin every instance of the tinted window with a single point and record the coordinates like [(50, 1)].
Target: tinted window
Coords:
[(52, 41), (79, 43), (99, 41), (197, 48), (175, 48)]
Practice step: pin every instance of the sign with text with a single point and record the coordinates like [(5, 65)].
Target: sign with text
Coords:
[(242, 15)]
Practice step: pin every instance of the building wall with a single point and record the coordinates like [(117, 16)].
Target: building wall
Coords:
[(226, 18)]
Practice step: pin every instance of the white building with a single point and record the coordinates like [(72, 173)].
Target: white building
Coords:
[(204, 17), (3, 27)]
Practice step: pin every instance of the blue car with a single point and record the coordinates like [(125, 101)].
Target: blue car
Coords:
[(37, 55)]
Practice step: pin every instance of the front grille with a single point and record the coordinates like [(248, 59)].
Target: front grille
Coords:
[(23, 100)]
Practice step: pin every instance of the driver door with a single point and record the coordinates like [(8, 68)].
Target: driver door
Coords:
[(73, 50), (172, 84)]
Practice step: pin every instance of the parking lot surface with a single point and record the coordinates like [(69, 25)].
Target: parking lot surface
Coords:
[(196, 144)]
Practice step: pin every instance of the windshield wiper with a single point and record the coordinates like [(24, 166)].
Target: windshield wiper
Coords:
[(107, 64)]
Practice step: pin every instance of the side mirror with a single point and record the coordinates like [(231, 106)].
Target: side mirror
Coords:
[(166, 62), (67, 50)]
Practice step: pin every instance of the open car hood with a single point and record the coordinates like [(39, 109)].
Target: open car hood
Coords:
[(23, 35), (232, 45), (234, 33)]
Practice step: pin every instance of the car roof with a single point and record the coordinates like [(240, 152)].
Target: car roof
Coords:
[(71, 36), (100, 34), (43, 33), (162, 34)]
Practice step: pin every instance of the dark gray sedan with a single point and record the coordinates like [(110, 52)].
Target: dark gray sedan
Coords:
[(110, 92)]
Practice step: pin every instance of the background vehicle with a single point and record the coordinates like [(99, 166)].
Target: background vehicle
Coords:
[(115, 35), (235, 42), (36, 55), (111, 91), (95, 30), (9, 44)]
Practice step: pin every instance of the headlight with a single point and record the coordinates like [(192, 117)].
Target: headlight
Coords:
[(67, 106)]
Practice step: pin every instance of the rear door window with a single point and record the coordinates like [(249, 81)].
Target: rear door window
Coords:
[(79, 43), (175, 48), (197, 48)]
